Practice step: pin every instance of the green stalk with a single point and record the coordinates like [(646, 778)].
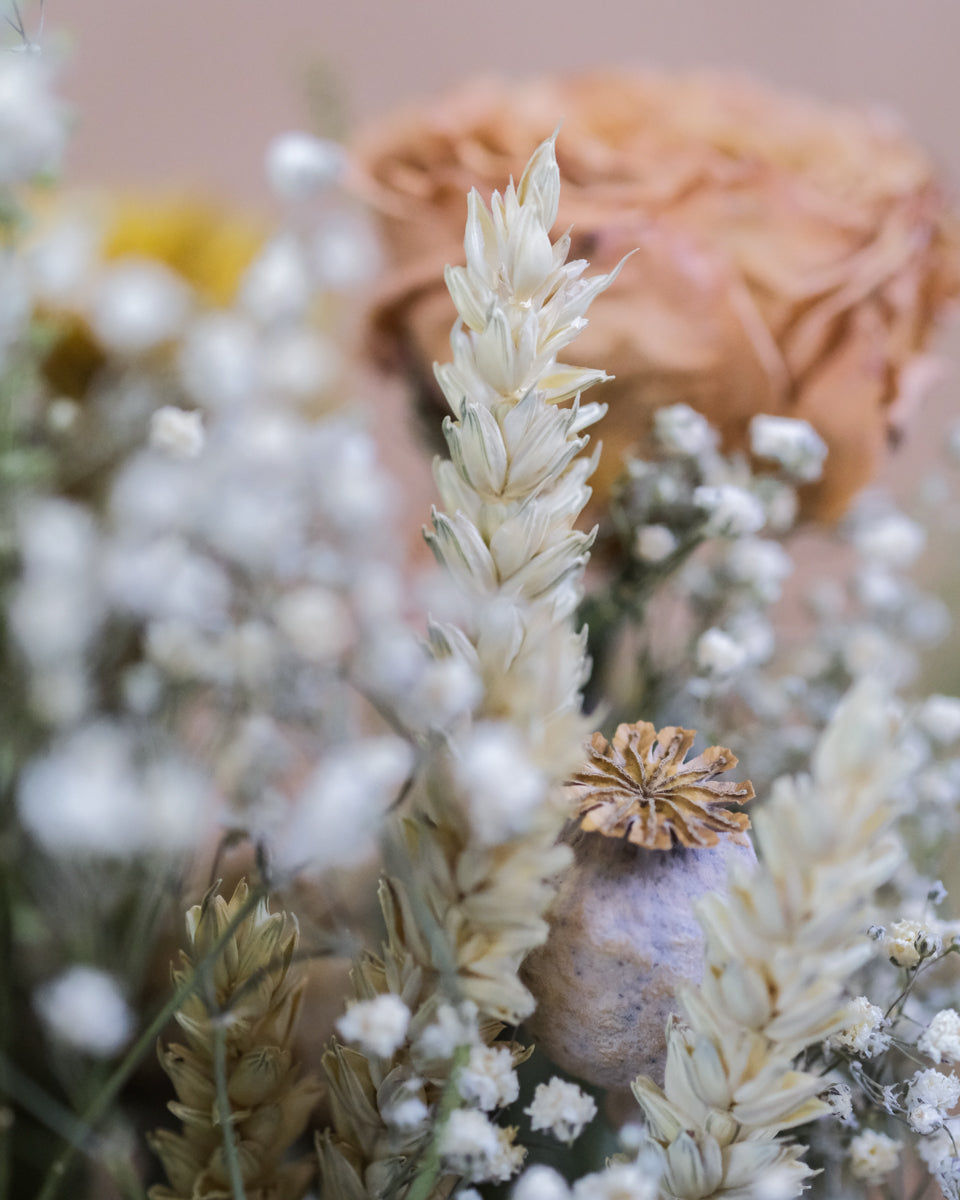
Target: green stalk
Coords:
[(223, 1108), (429, 1171), (100, 1105)]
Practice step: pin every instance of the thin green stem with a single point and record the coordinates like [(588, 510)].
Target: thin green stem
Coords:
[(100, 1105), (230, 1152), (429, 1170)]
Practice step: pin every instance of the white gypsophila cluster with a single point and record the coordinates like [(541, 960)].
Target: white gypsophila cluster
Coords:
[(907, 942), (794, 445), (33, 119), (865, 1035), (941, 1038), (779, 950), (931, 1095), (86, 1008), (705, 516), (561, 1108), (873, 1155), (378, 1026), (488, 1078), (472, 1146), (240, 543)]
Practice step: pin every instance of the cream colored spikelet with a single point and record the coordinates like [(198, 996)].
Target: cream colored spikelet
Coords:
[(255, 997), (482, 819), (781, 945)]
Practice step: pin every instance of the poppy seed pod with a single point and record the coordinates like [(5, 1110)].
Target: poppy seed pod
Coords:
[(654, 837)]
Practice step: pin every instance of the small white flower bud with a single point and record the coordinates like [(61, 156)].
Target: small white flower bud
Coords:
[(299, 165)]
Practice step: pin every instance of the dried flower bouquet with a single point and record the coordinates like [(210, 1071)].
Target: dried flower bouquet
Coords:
[(592, 975)]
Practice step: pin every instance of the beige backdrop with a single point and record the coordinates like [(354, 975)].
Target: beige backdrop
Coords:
[(191, 90)]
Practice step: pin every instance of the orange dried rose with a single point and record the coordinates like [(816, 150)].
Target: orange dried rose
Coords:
[(792, 257)]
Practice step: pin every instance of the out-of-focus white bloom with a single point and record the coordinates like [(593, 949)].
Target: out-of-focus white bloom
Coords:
[(450, 1029), (345, 252), (878, 589), (941, 1038), (219, 360), (733, 511), (85, 1007), (336, 818), (137, 305), (409, 1113), (177, 431), (505, 789), (316, 620), (166, 579), (299, 165), (864, 1035), (892, 539), (760, 564), (930, 1096), (719, 654), (947, 1175), (906, 942), (540, 1182), (654, 543), (489, 1079), (873, 1155), (561, 1108), (620, 1181), (681, 430), (299, 365), (473, 1146), (939, 1146), (378, 1026), (33, 127), (277, 286), (794, 444), (61, 260), (79, 798), (939, 718)]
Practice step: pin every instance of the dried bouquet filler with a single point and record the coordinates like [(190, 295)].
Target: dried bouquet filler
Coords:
[(590, 961)]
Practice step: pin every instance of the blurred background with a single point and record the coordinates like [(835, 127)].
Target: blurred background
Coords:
[(187, 92), (185, 95)]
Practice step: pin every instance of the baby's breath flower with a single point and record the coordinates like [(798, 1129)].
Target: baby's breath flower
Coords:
[(864, 1035), (473, 1146), (540, 1182), (719, 654), (450, 1028), (299, 165), (177, 431), (138, 305), (907, 942), (85, 1008), (930, 1096), (873, 1155), (733, 511), (561, 1108), (654, 543), (794, 444), (939, 718), (941, 1039), (378, 1026), (620, 1181), (488, 1079), (681, 430)]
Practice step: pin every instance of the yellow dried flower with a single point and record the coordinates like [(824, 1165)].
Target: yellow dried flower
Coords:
[(639, 787), (255, 997)]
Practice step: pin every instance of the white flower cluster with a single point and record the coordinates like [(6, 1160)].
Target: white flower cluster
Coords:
[(238, 543), (864, 1035), (562, 1108)]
